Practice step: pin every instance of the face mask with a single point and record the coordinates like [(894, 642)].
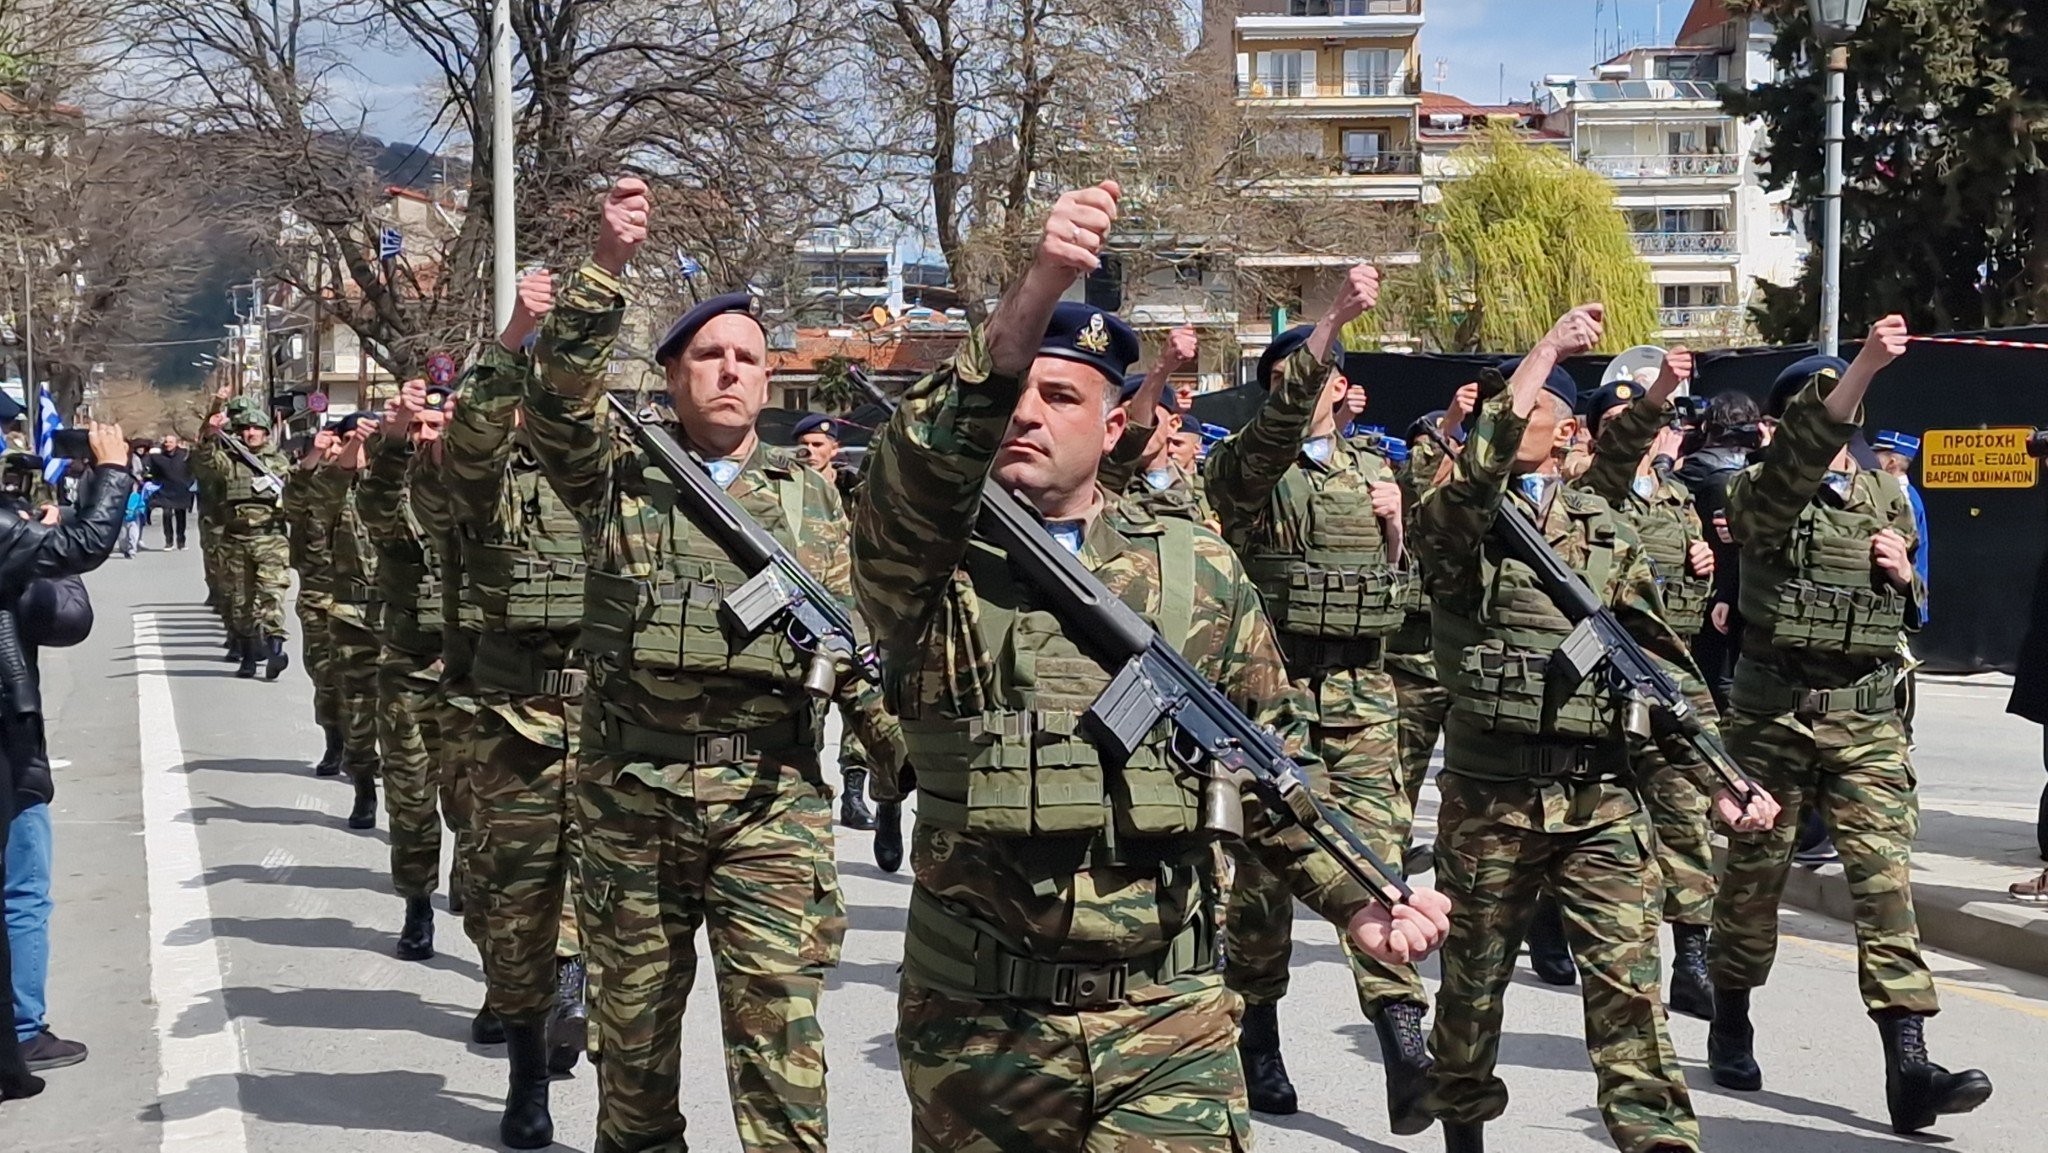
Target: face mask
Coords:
[(1538, 488), (1319, 449), (723, 472), (1840, 483), (1645, 486), (1067, 533), (1159, 479)]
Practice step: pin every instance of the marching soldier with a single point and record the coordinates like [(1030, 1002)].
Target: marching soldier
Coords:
[(352, 609), (1420, 698), (699, 792), (817, 441), (525, 577), (254, 556), (1059, 985), (1826, 588), (1141, 468), (1534, 784), (1318, 522), (312, 556)]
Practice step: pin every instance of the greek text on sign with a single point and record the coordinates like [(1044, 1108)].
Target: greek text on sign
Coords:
[(1977, 458)]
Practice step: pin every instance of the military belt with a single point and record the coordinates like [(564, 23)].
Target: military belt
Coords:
[(949, 950), (705, 748), (1758, 690), (1544, 762), (1306, 655)]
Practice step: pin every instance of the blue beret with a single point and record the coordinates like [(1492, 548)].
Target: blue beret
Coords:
[(1899, 442), (1283, 346), (1794, 378), (1609, 395), (816, 422), (1169, 401), (1089, 335), (1560, 383), (681, 331)]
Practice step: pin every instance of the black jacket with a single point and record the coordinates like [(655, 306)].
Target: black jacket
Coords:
[(172, 470), (1707, 473), (31, 551)]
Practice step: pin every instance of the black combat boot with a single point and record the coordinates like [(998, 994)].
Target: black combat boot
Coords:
[(276, 660), (2041, 825), (1549, 956), (364, 815), (1918, 1090), (485, 1028), (569, 1022), (526, 1124), (416, 937), (1731, 1043), (329, 764), (889, 836), (1265, 1074), (853, 800), (458, 886), (1402, 1051), (1464, 1137), (234, 652), (1691, 992), (252, 655)]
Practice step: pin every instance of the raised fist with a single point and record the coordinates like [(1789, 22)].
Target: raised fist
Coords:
[(537, 293), (1182, 346), (1577, 330), (625, 215), (1078, 227), (1676, 371), (1888, 341), (1357, 295)]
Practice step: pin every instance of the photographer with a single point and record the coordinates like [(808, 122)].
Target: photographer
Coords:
[(1731, 429), (33, 550)]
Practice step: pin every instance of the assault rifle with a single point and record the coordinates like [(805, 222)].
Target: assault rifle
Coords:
[(265, 481), (1153, 682), (779, 588)]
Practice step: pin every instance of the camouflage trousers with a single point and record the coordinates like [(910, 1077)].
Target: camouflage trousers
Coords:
[(352, 663), (405, 693), (1423, 704), (1364, 781), (1607, 889), (760, 876), (449, 731), (1157, 1075), (318, 656), (1679, 814), (256, 568), (210, 563), (527, 854), (1854, 769)]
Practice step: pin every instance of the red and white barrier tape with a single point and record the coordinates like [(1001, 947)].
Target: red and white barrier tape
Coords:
[(1979, 342)]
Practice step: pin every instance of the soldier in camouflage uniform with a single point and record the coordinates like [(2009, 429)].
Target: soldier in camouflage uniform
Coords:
[(212, 506), (699, 788), (1140, 468), (1634, 456), (1059, 985), (352, 610), (1318, 522), (525, 576), (312, 557), (254, 555), (1535, 784), (1827, 585), (817, 442)]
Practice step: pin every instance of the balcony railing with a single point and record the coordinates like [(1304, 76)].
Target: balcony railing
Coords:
[(1358, 85), (1708, 318), (1378, 164), (1685, 243), (1353, 7), (1665, 167), (1372, 84)]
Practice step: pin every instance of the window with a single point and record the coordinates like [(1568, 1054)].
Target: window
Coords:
[(1694, 295), (1371, 72), (1363, 150), (1287, 74), (796, 399), (1291, 141), (1350, 7), (1190, 273), (1706, 140), (1703, 68)]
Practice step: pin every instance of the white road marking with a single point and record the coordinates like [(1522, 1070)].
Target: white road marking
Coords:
[(199, 1049)]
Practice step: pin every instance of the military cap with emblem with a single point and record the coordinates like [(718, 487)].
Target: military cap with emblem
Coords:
[(1169, 400), (1614, 394), (816, 422), (1088, 335), (438, 396), (1283, 346), (1899, 442), (1559, 383), (346, 424), (681, 331), (1796, 375)]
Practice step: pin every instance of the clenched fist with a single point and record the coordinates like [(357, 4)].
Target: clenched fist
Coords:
[(1888, 340), (1356, 296), (1410, 932), (1577, 330), (1077, 229), (1182, 346), (625, 216)]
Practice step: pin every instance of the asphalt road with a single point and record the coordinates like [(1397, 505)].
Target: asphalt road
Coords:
[(224, 945)]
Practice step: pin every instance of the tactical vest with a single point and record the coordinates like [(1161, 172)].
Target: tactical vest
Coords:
[(672, 621), (1496, 664), (1339, 586), (353, 575), (243, 508), (1820, 591), (409, 591), (527, 590), (1667, 538), (1024, 766)]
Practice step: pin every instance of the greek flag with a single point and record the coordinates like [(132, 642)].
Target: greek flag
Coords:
[(47, 426)]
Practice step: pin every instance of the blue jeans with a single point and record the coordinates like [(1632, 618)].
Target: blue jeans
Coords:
[(28, 915)]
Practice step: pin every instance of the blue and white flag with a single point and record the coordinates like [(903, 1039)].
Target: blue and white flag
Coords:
[(46, 437)]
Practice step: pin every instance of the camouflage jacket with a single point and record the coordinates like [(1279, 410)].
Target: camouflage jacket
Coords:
[(1453, 545), (240, 509), (911, 542), (1165, 491), (405, 572), (632, 530), (1766, 503), (333, 509), (1248, 476), (1411, 650), (312, 546)]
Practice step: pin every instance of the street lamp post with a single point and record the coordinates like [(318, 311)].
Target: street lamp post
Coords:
[(1834, 21)]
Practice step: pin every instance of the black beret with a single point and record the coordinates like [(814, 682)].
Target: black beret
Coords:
[(1796, 375), (816, 422), (1434, 421), (347, 424), (1089, 335), (1283, 346), (681, 331), (1169, 400), (1618, 392), (1559, 384), (438, 396)]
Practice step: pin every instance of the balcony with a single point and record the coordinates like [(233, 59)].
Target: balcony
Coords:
[(1687, 167), (1353, 86), (1378, 164), (1685, 243), (1705, 318), (1297, 19)]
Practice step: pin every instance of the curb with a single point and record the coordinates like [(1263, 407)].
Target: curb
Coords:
[(1968, 922)]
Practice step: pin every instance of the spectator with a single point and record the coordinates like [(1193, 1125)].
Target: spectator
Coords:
[(171, 469), (2030, 700), (131, 523), (31, 551), (1729, 432)]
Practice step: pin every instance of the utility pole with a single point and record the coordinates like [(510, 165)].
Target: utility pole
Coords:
[(1831, 205), (29, 392), (504, 243)]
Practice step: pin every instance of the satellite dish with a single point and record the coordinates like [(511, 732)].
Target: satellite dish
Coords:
[(1632, 361)]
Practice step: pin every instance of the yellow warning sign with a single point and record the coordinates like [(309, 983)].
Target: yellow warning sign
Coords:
[(1977, 458)]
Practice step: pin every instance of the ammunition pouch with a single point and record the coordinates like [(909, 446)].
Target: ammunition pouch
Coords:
[(513, 589), (1506, 690), (1336, 601), (1822, 593), (504, 664), (676, 625)]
